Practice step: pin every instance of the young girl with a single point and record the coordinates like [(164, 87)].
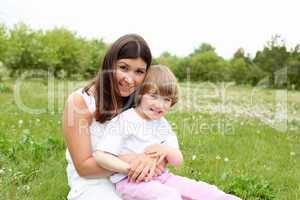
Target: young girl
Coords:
[(144, 129)]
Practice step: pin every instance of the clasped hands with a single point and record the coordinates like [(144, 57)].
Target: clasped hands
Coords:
[(149, 164)]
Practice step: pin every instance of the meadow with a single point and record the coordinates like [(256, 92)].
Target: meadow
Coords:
[(244, 140)]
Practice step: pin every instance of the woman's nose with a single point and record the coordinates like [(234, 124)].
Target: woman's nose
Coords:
[(129, 79)]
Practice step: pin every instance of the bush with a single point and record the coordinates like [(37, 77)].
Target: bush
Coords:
[(4, 88)]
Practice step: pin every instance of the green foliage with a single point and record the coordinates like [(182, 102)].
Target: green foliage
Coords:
[(175, 63), (294, 69), (59, 51), (24, 49), (272, 58), (66, 55), (250, 187), (5, 88), (205, 65), (3, 41)]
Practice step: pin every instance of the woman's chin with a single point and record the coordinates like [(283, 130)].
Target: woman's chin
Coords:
[(125, 93)]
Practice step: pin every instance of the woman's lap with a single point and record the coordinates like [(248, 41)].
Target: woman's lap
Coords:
[(96, 192)]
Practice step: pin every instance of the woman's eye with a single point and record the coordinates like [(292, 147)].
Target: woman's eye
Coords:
[(123, 68), (140, 72)]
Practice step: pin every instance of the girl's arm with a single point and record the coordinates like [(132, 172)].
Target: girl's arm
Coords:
[(111, 162), (172, 155)]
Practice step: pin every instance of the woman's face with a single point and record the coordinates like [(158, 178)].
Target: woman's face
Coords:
[(130, 73)]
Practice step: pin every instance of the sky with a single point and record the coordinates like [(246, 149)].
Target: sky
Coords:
[(177, 26)]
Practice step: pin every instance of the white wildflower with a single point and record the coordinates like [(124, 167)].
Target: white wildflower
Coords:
[(218, 157), (226, 159), (26, 131), (194, 157)]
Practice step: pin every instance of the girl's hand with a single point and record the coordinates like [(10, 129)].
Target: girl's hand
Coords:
[(157, 151)]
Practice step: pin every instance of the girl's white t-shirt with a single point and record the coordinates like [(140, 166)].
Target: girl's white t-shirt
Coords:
[(129, 133)]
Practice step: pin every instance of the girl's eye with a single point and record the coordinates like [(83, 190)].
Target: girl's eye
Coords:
[(168, 99), (153, 95)]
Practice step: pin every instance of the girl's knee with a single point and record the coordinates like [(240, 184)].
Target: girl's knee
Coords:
[(169, 194)]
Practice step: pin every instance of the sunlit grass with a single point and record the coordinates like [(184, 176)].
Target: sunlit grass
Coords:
[(237, 151)]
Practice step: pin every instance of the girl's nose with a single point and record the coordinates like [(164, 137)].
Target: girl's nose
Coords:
[(160, 103)]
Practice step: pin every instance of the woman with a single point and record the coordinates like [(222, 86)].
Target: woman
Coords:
[(88, 110)]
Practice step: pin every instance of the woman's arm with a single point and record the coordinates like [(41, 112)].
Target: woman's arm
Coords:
[(111, 162), (77, 120)]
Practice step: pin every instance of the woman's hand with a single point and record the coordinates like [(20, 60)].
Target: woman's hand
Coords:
[(160, 168), (142, 167)]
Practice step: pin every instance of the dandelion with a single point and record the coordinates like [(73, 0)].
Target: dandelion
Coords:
[(26, 131), (26, 187), (218, 157), (292, 153), (226, 159), (194, 157)]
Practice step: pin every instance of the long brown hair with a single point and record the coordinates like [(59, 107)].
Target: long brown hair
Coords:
[(108, 101)]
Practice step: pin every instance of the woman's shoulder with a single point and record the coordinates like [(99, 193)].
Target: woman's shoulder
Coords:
[(80, 99)]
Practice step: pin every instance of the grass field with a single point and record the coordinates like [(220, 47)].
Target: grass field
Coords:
[(244, 140)]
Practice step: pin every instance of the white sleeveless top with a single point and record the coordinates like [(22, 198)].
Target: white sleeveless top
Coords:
[(80, 184)]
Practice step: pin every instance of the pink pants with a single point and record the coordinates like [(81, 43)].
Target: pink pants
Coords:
[(170, 187)]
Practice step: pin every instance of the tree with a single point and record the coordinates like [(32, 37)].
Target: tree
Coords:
[(23, 49), (273, 57), (174, 62), (205, 65), (294, 68), (3, 42)]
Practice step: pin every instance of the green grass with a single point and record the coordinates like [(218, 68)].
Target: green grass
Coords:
[(225, 138)]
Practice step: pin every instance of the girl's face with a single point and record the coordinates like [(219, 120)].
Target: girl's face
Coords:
[(154, 106), (130, 73)]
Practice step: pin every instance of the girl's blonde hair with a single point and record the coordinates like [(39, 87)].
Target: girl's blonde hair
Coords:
[(159, 80)]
